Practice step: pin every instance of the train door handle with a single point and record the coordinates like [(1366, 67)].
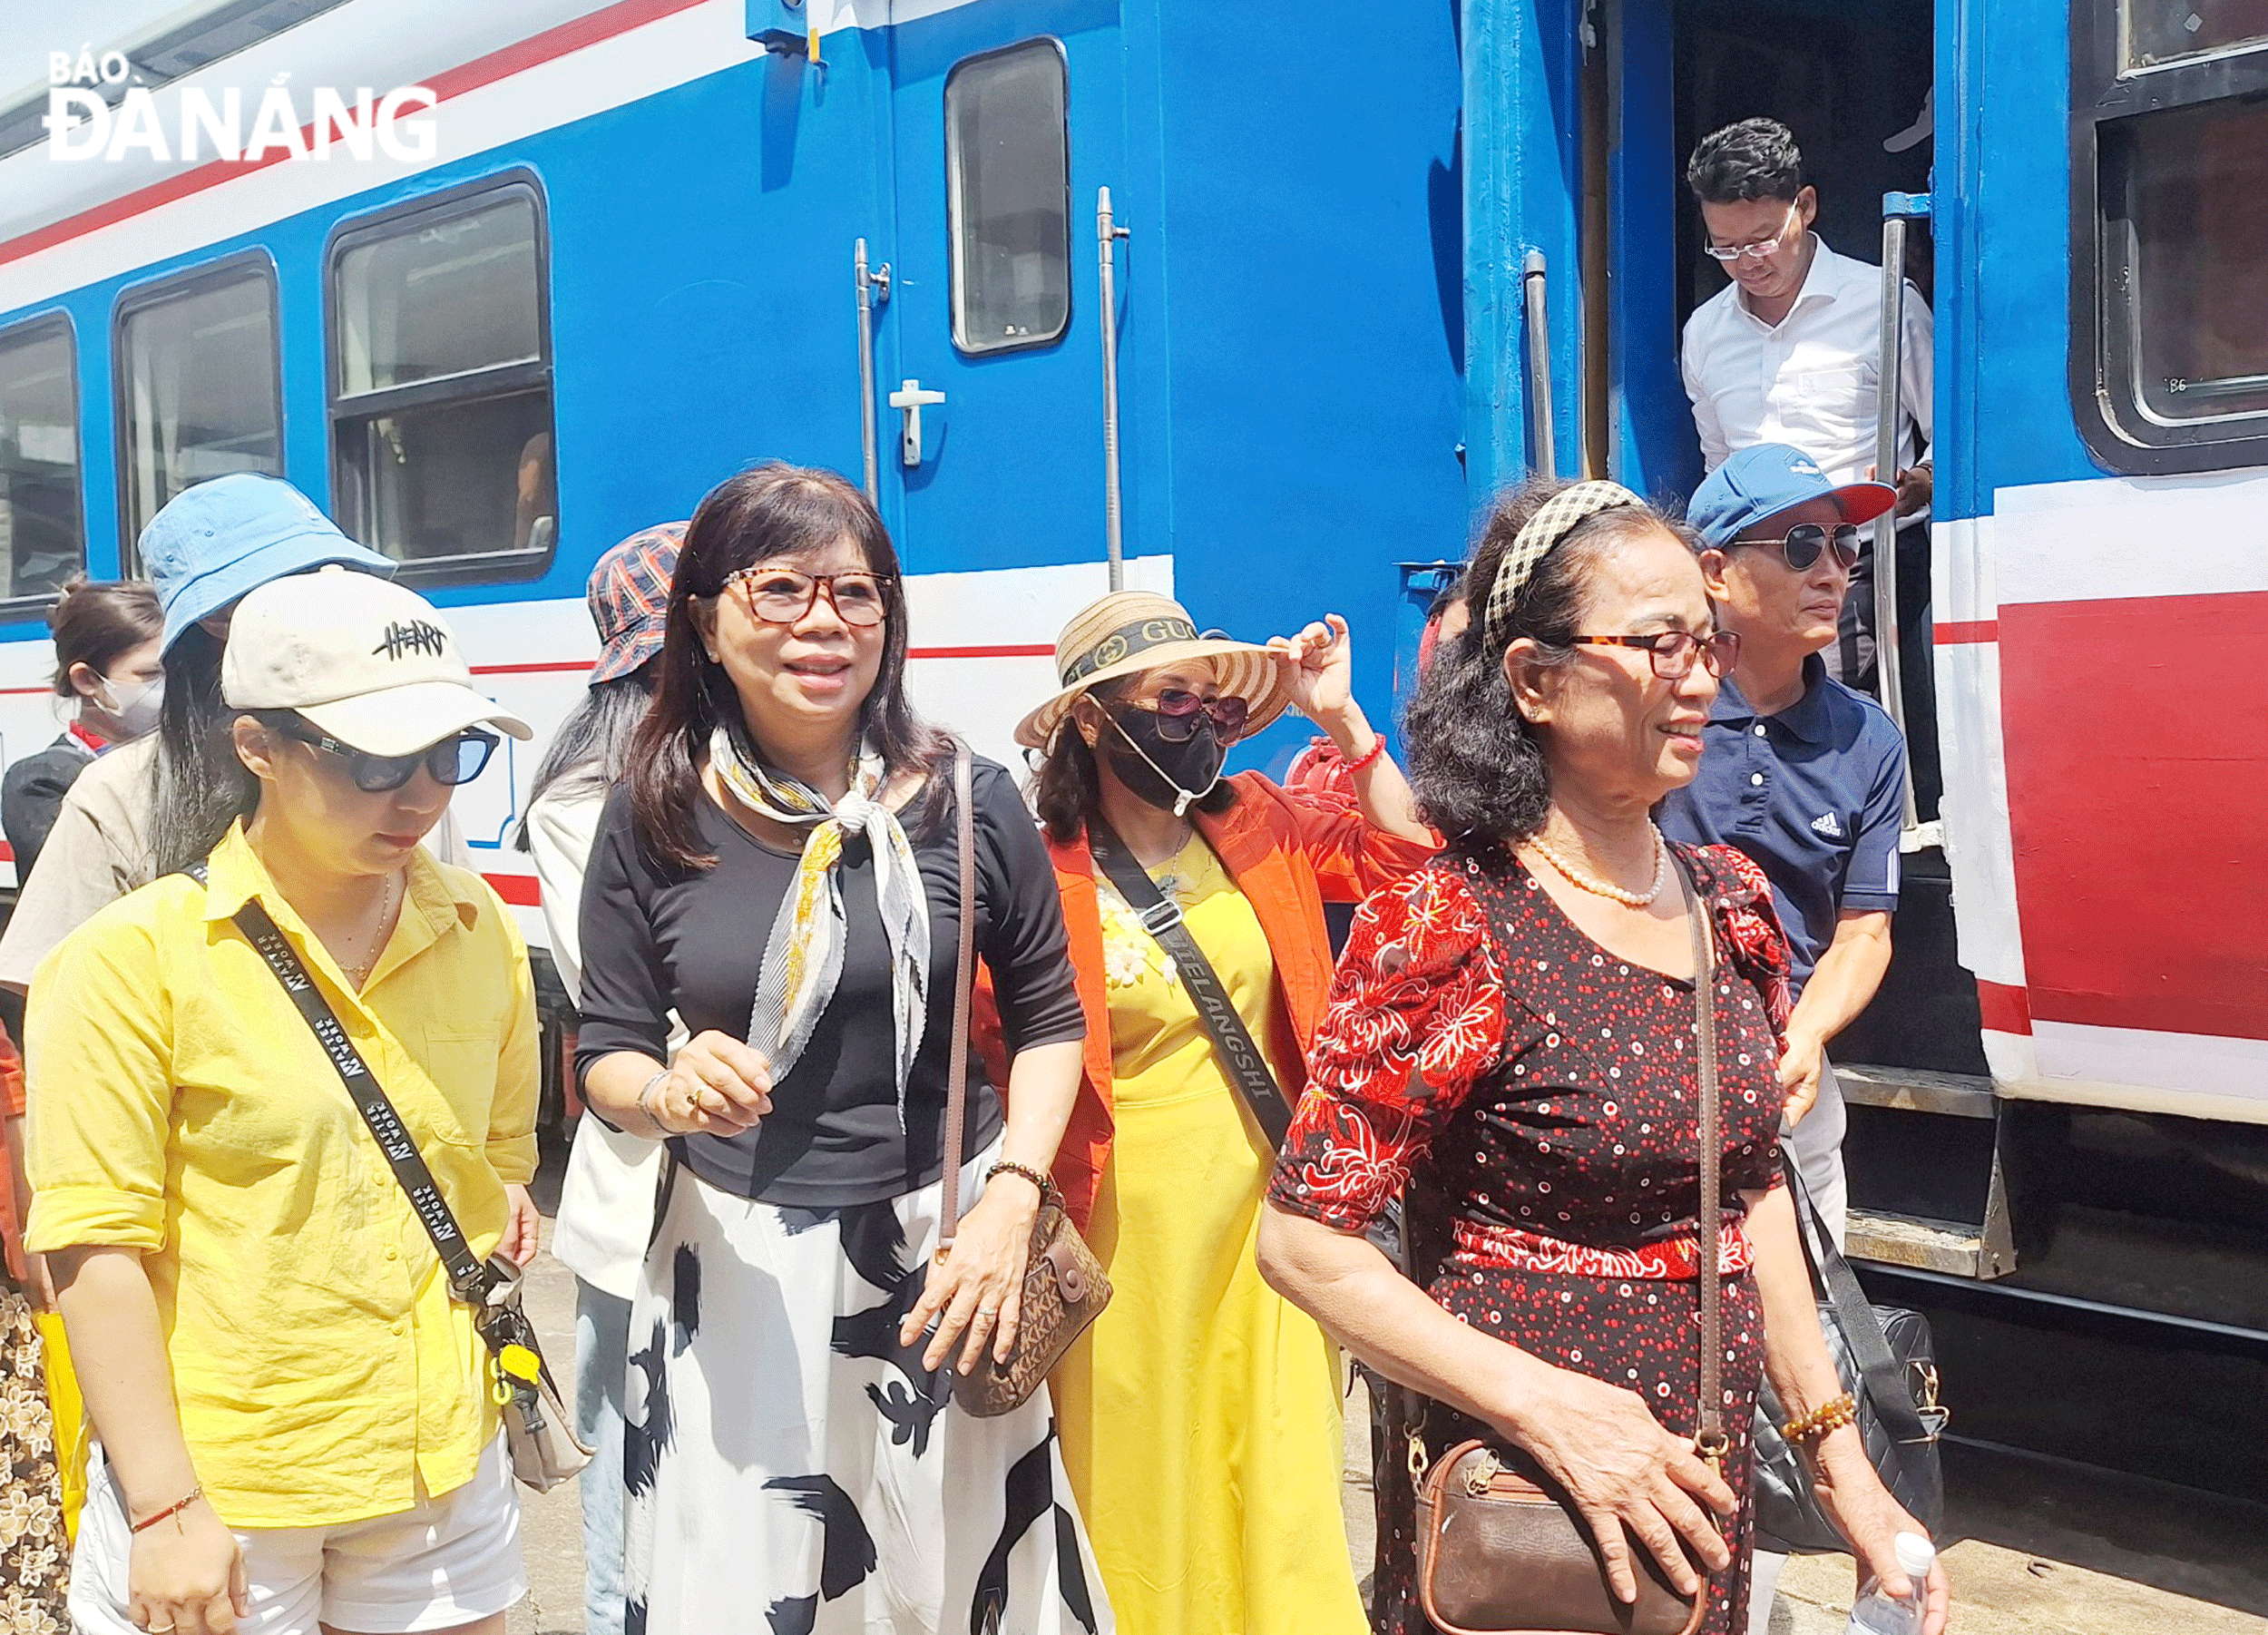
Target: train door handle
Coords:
[(909, 400)]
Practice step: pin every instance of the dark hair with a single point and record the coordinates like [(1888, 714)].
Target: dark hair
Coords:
[(1475, 765), (201, 786), (93, 623), (771, 511), (592, 749), (1067, 790), (1755, 159)]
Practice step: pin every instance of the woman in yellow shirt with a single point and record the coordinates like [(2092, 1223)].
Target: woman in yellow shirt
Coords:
[(1200, 1414), (294, 1414)]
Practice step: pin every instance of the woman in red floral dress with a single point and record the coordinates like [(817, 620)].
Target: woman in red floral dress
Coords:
[(1511, 1033)]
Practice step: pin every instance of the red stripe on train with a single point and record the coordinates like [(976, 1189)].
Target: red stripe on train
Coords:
[(522, 891), (516, 58), (2004, 1009), (2137, 775), (1954, 632)]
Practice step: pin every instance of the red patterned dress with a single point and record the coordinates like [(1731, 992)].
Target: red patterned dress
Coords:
[(1548, 1134)]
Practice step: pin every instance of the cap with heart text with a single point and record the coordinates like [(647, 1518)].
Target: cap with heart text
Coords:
[(369, 662)]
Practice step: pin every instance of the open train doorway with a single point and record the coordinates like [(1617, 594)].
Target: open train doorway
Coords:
[(1852, 85)]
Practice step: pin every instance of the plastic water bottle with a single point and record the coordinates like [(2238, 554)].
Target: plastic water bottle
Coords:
[(1878, 1612)]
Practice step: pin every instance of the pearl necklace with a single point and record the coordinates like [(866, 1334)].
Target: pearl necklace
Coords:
[(1603, 888)]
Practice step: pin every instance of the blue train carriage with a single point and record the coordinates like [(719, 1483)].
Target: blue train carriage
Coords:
[(603, 255), (2059, 1100)]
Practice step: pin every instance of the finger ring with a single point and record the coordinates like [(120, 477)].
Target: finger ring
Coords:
[(988, 1311)]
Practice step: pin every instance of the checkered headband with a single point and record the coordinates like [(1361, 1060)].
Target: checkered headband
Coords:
[(1560, 517), (630, 599)]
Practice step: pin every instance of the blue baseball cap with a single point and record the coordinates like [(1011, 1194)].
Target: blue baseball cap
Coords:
[(1766, 478), (214, 542)]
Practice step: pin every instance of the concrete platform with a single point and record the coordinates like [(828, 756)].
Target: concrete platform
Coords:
[(2035, 1547)]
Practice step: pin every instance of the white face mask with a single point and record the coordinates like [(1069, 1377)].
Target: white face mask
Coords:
[(134, 711)]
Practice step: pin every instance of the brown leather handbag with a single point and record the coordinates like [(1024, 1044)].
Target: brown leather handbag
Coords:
[(1500, 1548), (1064, 1287)]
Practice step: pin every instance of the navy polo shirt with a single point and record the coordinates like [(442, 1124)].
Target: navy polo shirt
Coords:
[(1815, 795)]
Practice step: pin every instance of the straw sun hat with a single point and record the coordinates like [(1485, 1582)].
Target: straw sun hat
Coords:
[(1129, 632)]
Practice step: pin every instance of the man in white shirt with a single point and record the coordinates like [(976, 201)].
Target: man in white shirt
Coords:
[(1790, 352)]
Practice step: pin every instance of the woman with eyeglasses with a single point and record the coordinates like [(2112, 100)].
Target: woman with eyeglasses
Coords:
[(295, 1417), (1200, 1414), (780, 871), (1512, 1039)]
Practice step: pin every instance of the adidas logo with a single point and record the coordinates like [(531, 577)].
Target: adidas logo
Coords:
[(1826, 824)]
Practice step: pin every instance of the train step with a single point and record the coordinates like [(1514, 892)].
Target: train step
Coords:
[(1924, 1157)]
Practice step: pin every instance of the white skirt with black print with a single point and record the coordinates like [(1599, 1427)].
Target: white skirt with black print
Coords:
[(792, 1471)]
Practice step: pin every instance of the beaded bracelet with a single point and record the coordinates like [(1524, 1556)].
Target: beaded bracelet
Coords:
[(1377, 747), (1037, 1177), (173, 1510), (1828, 1416)]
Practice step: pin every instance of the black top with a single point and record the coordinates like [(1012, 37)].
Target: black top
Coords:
[(32, 795), (656, 939)]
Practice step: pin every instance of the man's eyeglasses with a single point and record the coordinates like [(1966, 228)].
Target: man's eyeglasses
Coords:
[(786, 595), (1801, 544), (451, 761), (1755, 249), (1177, 708), (1672, 652)]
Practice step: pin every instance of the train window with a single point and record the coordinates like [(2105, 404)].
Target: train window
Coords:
[(2169, 217), (441, 383), (2160, 31), (43, 537), (198, 385), (1007, 167), (2195, 208)]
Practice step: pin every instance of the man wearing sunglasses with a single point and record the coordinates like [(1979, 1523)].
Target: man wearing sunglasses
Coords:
[(1791, 351), (1802, 773)]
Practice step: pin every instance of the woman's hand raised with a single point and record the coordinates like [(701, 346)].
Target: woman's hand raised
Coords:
[(717, 1085), (979, 1287), (1624, 1469), (1318, 666)]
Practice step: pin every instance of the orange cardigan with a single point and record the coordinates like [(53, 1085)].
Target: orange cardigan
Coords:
[(1289, 854)]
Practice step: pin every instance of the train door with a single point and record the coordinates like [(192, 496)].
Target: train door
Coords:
[(1006, 119)]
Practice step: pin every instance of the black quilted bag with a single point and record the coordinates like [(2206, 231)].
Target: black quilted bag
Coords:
[(1884, 1354)]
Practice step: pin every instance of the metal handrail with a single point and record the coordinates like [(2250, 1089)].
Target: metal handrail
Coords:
[(1889, 424), (873, 289), (1540, 439), (1106, 235)]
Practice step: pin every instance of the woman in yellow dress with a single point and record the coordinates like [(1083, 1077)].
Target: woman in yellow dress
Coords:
[(1200, 1415)]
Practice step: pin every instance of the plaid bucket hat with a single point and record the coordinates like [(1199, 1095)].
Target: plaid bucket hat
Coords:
[(630, 599)]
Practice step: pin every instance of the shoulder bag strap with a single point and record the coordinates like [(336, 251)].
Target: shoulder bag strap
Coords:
[(963, 985), (1247, 1068), (469, 1280), (1883, 1379), (1710, 1437)]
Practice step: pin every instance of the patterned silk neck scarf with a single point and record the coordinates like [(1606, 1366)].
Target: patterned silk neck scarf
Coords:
[(802, 959)]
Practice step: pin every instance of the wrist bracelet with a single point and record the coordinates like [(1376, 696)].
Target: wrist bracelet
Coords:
[(1828, 1416), (1037, 1177), (645, 1098), (173, 1510), (1377, 747)]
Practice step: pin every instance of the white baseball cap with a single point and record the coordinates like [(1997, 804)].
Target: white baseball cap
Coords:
[(368, 662)]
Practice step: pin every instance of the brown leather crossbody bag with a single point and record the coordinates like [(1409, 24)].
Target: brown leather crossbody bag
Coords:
[(1501, 1549), (1064, 1287)]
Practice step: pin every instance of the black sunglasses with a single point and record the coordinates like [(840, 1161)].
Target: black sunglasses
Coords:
[(1177, 708), (451, 761), (1803, 542)]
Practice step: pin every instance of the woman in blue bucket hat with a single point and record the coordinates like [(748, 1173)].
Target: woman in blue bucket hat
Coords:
[(160, 802)]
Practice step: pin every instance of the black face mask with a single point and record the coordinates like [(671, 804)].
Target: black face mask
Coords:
[(1158, 771)]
